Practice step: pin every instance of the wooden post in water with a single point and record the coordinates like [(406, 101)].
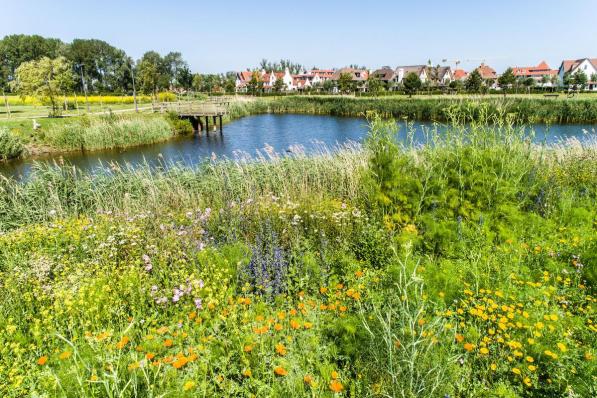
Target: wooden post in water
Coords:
[(215, 120), (207, 124), (221, 126)]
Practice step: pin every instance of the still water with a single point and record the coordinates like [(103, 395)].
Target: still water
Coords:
[(249, 135)]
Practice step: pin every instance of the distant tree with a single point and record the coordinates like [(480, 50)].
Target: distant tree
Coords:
[(433, 73), (554, 79), (104, 67), (184, 78), (45, 79), (594, 77), (374, 84), (230, 85), (153, 73), (255, 85), (345, 83), (16, 49), (506, 80), (473, 82), (529, 82), (580, 80), (328, 86), (411, 83), (456, 85), (197, 81), (544, 80), (567, 79), (279, 85)]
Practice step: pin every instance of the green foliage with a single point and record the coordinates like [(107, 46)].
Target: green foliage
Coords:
[(473, 82), (461, 268), (411, 83), (10, 145), (44, 79), (345, 83), (178, 125), (506, 79), (92, 133)]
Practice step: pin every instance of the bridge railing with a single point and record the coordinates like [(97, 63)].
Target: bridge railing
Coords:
[(194, 108)]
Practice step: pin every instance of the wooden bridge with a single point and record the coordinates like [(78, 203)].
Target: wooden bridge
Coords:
[(199, 113)]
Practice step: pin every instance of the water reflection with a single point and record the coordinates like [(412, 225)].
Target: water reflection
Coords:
[(250, 134)]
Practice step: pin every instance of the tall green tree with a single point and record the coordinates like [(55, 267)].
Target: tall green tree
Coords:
[(345, 83), (45, 79), (16, 49), (104, 67), (473, 82), (506, 80), (279, 86), (580, 80), (411, 83), (152, 73), (374, 84)]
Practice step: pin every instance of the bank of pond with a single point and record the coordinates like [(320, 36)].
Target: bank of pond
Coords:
[(262, 135)]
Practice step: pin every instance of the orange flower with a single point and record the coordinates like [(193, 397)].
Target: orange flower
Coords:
[(323, 290), (280, 371), (162, 330), (469, 347), (248, 348), (247, 373), (180, 362), (149, 356), (295, 324), (42, 360), (308, 380), (358, 274), (336, 386), (335, 375), (261, 330), (123, 342), (278, 327), (280, 349), (459, 338), (168, 343)]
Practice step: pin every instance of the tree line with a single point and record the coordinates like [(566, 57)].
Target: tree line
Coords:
[(99, 67)]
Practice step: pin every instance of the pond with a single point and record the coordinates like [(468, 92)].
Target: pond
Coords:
[(245, 137)]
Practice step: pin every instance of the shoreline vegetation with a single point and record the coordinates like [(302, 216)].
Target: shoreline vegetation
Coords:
[(91, 132), (464, 268)]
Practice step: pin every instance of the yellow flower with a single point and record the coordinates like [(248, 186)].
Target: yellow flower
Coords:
[(133, 366), (188, 385), (307, 379), (65, 355), (247, 373), (280, 349), (484, 351), (248, 348), (516, 371), (532, 368), (335, 375), (527, 382), (530, 359), (562, 347), (493, 366)]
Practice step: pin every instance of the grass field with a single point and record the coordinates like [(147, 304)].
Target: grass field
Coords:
[(462, 269)]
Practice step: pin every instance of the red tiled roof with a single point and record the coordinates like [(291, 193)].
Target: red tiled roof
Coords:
[(245, 75), (569, 64), (539, 70), (460, 74), (486, 72)]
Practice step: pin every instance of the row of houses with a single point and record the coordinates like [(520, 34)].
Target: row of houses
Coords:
[(439, 76)]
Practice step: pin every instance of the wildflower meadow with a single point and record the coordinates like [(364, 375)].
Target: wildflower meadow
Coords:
[(461, 268)]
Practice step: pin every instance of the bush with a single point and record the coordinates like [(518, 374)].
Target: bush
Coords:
[(10, 146)]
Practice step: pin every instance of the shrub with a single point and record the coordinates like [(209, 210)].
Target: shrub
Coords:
[(10, 146)]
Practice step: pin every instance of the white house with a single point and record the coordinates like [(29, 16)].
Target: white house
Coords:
[(586, 65), (402, 71)]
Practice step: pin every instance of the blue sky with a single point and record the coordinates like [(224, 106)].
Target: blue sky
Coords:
[(219, 36)]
